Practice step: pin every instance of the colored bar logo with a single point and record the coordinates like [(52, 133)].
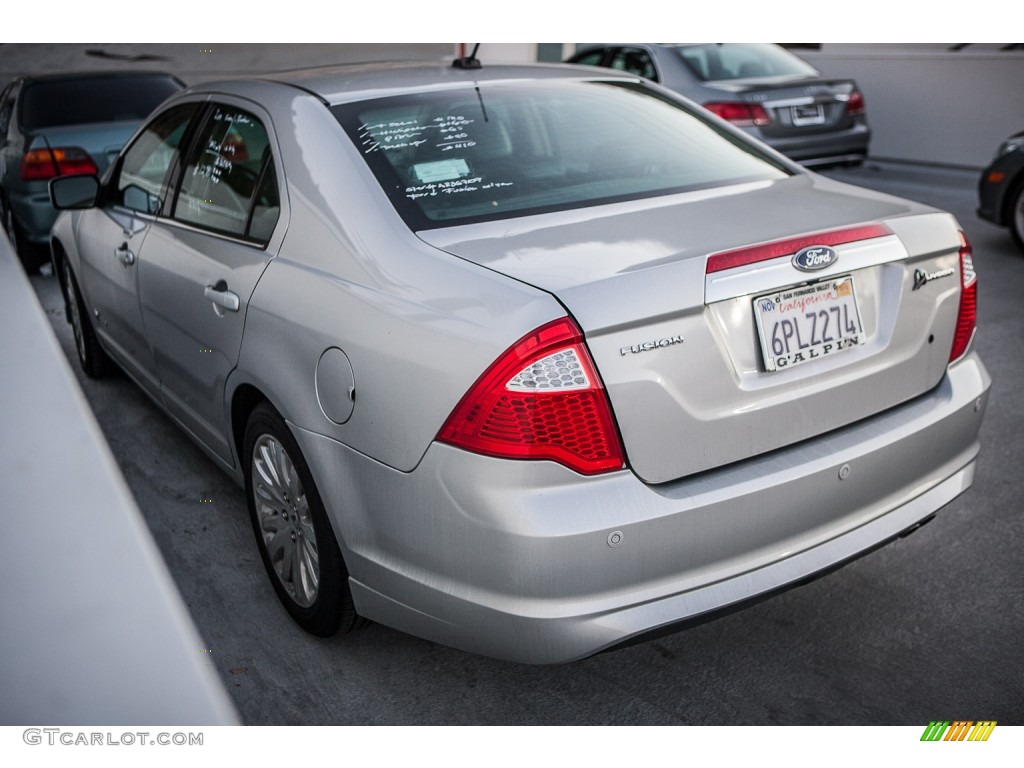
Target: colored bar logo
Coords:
[(958, 730)]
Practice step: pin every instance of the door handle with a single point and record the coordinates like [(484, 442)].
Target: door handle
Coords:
[(125, 255), (221, 296)]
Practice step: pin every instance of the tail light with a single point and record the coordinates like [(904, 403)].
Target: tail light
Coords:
[(542, 399), (740, 112), (966, 318), (48, 163), (855, 104)]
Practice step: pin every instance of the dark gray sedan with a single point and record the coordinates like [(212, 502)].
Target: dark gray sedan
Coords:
[(764, 89), (530, 361)]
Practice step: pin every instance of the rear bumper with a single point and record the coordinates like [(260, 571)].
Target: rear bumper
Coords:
[(33, 211), (827, 148), (529, 562)]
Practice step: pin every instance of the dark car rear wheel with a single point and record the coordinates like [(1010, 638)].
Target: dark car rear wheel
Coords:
[(293, 533), (94, 360), (1016, 217)]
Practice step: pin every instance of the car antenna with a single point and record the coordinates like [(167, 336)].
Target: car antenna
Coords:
[(468, 62)]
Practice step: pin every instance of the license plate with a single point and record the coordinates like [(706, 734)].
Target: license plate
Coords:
[(808, 114), (809, 322)]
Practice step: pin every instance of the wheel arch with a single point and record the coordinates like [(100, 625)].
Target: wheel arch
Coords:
[(1016, 187), (244, 401), (1008, 214)]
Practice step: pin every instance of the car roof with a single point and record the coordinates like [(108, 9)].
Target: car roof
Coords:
[(353, 82)]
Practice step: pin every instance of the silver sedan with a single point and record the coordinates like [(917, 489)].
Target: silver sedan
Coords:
[(530, 361)]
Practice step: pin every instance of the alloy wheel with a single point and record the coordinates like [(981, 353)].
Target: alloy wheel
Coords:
[(285, 522)]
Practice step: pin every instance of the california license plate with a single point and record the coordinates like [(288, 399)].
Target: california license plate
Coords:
[(808, 114), (809, 322)]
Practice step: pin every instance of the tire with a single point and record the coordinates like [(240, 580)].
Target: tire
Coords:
[(294, 536), (1016, 216), (93, 359)]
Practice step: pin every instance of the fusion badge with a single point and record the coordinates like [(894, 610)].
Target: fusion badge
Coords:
[(647, 346)]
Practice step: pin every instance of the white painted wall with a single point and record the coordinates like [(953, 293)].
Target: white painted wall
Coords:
[(504, 53), (931, 105), (515, 53)]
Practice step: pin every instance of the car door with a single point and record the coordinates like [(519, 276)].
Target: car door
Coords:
[(200, 265), (110, 238)]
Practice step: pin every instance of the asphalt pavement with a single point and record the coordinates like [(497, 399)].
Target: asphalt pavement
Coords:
[(930, 627)]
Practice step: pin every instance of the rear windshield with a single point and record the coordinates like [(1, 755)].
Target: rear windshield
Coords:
[(52, 103), (740, 61), (510, 149)]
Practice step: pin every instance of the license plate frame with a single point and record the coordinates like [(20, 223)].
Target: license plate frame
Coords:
[(807, 114), (808, 322)]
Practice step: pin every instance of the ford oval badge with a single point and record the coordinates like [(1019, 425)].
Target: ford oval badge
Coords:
[(814, 257)]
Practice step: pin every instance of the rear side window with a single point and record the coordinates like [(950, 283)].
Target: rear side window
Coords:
[(592, 59), (77, 101), (510, 149), (635, 61), (736, 61), (266, 207), (229, 185)]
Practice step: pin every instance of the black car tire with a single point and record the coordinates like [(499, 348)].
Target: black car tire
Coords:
[(289, 520), (94, 360), (1015, 218)]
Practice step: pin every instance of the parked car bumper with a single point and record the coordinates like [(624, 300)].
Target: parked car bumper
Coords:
[(529, 562), (821, 149), (33, 212)]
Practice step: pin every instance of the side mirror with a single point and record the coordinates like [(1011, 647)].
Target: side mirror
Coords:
[(68, 193), (138, 199)]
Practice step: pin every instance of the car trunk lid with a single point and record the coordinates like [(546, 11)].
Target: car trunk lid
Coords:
[(677, 344), (796, 106)]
